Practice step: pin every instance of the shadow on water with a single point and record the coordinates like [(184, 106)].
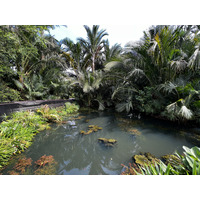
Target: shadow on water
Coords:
[(83, 154)]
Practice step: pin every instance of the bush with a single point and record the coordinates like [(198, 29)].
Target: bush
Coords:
[(7, 94), (71, 108)]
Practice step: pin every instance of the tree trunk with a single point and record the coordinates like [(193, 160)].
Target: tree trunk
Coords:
[(93, 65)]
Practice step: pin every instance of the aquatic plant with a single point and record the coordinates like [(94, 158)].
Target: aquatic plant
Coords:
[(46, 170), (92, 128), (13, 172), (46, 165), (145, 167), (107, 142), (18, 129), (132, 169), (171, 159), (71, 108), (186, 164), (22, 164), (44, 160), (128, 125), (57, 114), (82, 132), (77, 118), (134, 131), (142, 160), (49, 114)]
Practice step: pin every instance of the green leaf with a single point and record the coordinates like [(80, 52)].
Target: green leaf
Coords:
[(196, 152), (194, 170)]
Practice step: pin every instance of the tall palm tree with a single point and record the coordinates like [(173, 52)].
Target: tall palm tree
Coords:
[(74, 54), (94, 44)]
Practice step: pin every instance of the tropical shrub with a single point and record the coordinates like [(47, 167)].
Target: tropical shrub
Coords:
[(186, 164), (8, 94)]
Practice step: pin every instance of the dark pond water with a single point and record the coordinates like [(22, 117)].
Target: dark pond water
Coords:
[(83, 154)]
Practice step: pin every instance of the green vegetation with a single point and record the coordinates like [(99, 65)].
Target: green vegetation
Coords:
[(18, 130), (157, 76), (107, 142), (186, 164), (92, 128), (45, 165)]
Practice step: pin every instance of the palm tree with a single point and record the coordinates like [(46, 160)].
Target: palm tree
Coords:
[(112, 53), (94, 44), (74, 55)]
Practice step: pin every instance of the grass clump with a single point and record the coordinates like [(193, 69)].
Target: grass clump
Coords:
[(19, 129)]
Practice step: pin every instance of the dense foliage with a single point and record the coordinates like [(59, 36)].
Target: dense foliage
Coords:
[(158, 75)]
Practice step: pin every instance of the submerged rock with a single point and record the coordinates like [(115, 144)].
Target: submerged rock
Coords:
[(77, 118), (134, 131), (107, 142), (82, 132)]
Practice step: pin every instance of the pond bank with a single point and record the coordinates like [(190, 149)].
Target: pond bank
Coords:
[(18, 129), (7, 108)]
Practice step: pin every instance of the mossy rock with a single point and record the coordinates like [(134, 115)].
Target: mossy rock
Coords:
[(171, 159), (151, 158), (142, 160), (107, 142), (145, 159)]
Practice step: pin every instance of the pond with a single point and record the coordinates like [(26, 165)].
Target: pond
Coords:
[(78, 154)]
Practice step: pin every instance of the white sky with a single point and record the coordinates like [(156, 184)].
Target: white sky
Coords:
[(120, 34)]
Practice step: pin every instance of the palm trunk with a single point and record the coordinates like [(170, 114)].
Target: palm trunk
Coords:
[(93, 64)]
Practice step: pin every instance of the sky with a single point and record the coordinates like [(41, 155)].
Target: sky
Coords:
[(120, 34)]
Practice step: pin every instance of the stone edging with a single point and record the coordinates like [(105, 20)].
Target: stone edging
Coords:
[(6, 108)]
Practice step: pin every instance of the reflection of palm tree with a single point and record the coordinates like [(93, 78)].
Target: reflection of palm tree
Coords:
[(82, 158)]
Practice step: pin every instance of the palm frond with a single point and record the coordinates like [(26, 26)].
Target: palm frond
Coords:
[(185, 113)]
